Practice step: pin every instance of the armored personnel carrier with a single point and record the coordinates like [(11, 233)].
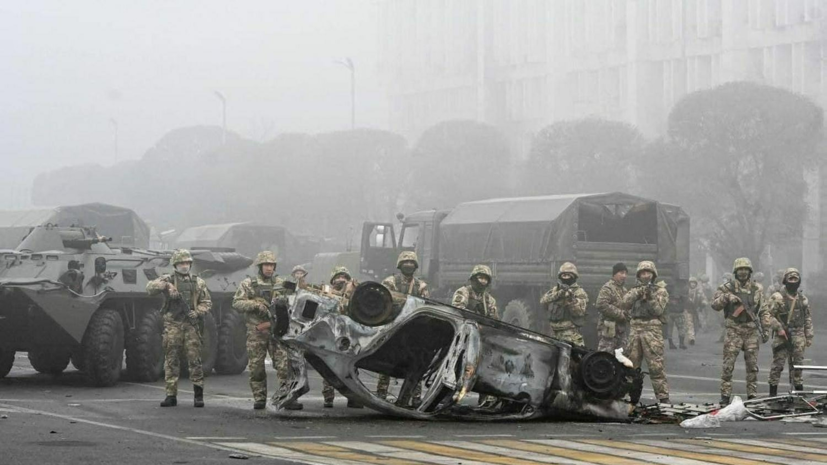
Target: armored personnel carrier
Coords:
[(66, 295)]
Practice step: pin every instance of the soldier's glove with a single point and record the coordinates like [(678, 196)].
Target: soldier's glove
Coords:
[(193, 315), (172, 292), (734, 299), (264, 309)]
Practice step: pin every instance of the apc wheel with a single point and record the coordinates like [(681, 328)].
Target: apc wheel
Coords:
[(6, 361), (144, 348), (49, 360), (519, 313), (103, 345), (232, 344)]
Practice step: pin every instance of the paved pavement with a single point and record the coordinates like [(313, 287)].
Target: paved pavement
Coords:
[(62, 420)]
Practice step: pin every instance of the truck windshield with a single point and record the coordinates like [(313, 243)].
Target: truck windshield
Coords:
[(410, 236)]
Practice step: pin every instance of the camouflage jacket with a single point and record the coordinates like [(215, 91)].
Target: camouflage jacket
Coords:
[(248, 303), (723, 300), (798, 320), (609, 300), (644, 305), (566, 308), (410, 286), (203, 302), (696, 300), (484, 304)]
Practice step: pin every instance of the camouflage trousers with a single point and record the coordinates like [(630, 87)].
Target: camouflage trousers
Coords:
[(646, 343), (181, 336), (259, 345), (328, 393), (384, 384), (568, 332), (613, 335), (683, 321), (781, 354), (740, 337)]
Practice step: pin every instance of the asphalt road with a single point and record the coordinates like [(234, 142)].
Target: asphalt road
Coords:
[(46, 420)]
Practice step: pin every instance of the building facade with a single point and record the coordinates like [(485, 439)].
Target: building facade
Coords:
[(523, 64)]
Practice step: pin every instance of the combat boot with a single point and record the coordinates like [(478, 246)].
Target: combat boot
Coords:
[(170, 401), (665, 400), (199, 396), (671, 345), (328, 403), (799, 387), (724, 401), (773, 390), (683, 346), (259, 404)]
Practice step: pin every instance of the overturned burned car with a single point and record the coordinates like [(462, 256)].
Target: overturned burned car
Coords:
[(450, 351)]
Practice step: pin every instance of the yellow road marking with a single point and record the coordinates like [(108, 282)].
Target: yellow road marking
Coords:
[(460, 453), (335, 452), (722, 444), (710, 457), (561, 452), (796, 442)]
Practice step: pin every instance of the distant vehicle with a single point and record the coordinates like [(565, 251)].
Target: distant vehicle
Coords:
[(65, 294), (526, 239)]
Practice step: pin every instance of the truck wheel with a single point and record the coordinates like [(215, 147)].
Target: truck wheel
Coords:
[(519, 313), (232, 344), (6, 361), (49, 360), (144, 348), (103, 345)]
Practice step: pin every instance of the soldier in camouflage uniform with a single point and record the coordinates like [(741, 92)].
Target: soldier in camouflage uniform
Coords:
[(475, 295), (252, 299), (566, 303), (299, 275), (646, 304), (613, 325), (186, 301), (406, 283), (676, 317), (789, 311), (742, 301), (696, 304), (343, 286)]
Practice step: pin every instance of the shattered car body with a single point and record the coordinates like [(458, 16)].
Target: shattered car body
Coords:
[(453, 353)]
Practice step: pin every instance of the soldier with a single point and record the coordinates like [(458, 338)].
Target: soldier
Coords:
[(707, 291), (343, 285), (742, 302), (613, 325), (776, 282), (253, 299), (696, 304), (792, 324), (186, 301), (566, 302), (676, 317), (647, 303), (406, 283), (299, 275), (475, 295)]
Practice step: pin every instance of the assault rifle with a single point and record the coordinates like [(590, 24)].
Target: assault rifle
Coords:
[(181, 310), (750, 311)]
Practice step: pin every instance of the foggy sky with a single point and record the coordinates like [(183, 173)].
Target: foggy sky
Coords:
[(68, 68)]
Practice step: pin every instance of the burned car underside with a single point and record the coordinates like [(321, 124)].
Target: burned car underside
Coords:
[(450, 351)]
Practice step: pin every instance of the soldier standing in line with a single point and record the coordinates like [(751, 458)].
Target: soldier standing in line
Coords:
[(186, 301), (475, 295), (792, 324), (253, 299), (696, 304), (676, 318), (566, 303), (613, 325), (406, 283), (742, 302), (299, 274), (647, 303), (343, 286)]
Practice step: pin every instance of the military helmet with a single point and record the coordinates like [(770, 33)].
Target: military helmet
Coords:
[(693, 279), (265, 257), (298, 268), (337, 270), (758, 277), (406, 256), (181, 256), (703, 278), (790, 272), (728, 276), (647, 265), (481, 269), (568, 267), (742, 262)]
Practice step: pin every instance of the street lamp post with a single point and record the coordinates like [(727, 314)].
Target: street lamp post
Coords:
[(223, 117), (348, 63), (115, 128)]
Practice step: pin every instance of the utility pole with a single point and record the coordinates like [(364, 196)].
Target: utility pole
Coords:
[(223, 117), (348, 63), (115, 128)]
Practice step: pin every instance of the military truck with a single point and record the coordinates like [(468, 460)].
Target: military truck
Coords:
[(526, 239), (65, 294)]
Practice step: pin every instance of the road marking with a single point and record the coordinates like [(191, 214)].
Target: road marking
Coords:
[(339, 453), (394, 436), (484, 435), (290, 438), (459, 453), (396, 452), (508, 452), (789, 447), (763, 450), (215, 438), (555, 451), (285, 454), (806, 434), (620, 451), (694, 457), (719, 452)]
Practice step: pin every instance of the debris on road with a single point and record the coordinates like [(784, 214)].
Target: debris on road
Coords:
[(239, 456)]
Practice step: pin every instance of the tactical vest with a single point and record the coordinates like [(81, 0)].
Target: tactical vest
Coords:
[(799, 314), (559, 312), (263, 290), (643, 310), (748, 299), (476, 305), (187, 289), (398, 281)]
